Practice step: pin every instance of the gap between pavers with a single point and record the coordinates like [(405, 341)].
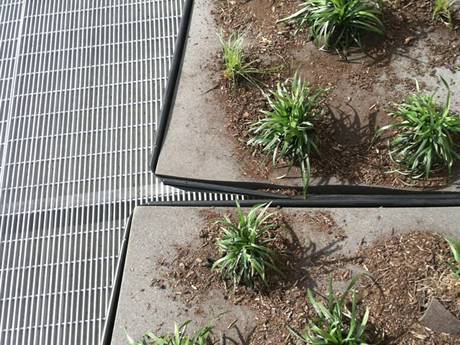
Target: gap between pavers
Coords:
[(197, 145), (157, 231)]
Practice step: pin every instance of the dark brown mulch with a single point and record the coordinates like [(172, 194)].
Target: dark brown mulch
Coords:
[(359, 98)]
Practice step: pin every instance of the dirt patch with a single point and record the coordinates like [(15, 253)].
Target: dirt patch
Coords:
[(363, 86)]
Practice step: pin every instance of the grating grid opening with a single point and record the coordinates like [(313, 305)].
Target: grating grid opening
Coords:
[(81, 85)]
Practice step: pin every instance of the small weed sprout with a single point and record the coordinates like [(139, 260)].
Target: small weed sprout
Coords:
[(455, 249), (424, 139), (338, 24), (335, 323), (443, 10), (236, 66), (178, 337), (287, 132), (245, 247)]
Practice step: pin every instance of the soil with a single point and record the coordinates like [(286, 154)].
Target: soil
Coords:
[(362, 85), (404, 273)]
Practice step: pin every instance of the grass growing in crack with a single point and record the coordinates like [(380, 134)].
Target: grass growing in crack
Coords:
[(443, 11), (245, 247), (178, 337), (287, 131), (236, 66), (424, 139), (335, 322), (455, 249), (338, 24)]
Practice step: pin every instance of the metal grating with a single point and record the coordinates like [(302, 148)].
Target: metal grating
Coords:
[(81, 84)]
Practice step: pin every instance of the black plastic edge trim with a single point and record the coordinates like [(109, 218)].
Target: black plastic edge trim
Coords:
[(228, 188), (113, 304), (173, 80), (330, 201), (254, 188)]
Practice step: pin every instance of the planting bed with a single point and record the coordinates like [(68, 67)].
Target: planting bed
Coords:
[(208, 129), (167, 276)]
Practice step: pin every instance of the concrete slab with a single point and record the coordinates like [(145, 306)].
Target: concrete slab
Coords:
[(196, 144), (156, 231)]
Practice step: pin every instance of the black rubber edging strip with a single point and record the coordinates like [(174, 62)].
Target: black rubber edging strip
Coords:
[(326, 196), (256, 188), (113, 303), (173, 80), (327, 201), (253, 190)]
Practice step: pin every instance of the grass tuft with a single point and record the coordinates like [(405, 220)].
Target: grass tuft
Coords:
[(236, 66), (424, 139), (245, 247), (335, 322), (287, 132), (178, 337), (443, 11), (455, 249), (338, 24)]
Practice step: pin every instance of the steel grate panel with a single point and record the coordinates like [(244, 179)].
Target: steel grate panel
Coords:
[(81, 86), (10, 18)]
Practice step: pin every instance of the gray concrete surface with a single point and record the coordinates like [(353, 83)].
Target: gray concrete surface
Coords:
[(197, 146), (157, 230)]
